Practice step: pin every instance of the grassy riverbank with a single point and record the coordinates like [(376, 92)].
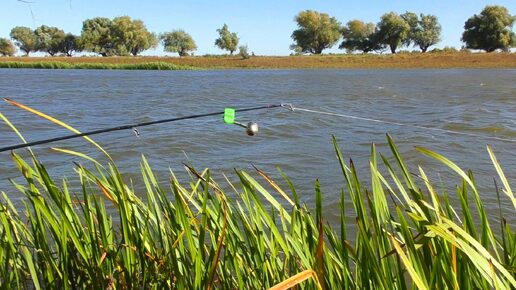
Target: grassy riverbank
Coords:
[(402, 60), (193, 235)]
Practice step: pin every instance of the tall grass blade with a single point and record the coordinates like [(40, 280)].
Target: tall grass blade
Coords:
[(56, 121), (507, 187)]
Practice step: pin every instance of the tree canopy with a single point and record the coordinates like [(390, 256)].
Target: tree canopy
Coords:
[(24, 38), (131, 36), (427, 33), (96, 36), (358, 35), (71, 44), (49, 39), (317, 31), (491, 30), (7, 47), (178, 41), (227, 40), (120, 36), (393, 30), (424, 30)]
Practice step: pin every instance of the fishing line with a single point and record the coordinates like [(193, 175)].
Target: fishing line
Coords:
[(251, 127), (294, 109), (134, 127)]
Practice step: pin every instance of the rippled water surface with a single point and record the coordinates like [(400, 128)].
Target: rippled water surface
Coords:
[(479, 102)]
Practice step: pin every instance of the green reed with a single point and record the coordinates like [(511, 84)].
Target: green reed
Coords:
[(193, 235), (93, 65)]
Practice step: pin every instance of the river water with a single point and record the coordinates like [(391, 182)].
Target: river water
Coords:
[(478, 102)]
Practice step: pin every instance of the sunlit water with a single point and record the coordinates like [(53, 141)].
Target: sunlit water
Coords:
[(481, 102)]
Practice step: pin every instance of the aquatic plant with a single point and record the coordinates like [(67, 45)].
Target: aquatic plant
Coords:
[(193, 234)]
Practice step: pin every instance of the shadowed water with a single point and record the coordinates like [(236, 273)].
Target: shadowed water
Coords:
[(480, 102)]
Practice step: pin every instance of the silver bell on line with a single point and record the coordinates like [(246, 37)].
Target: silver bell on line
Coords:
[(251, 128)]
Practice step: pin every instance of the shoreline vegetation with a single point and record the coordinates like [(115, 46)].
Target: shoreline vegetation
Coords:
[(401, 234), (365, 61)]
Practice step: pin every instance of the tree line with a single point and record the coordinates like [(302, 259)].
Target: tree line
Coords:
[(489, 31), (120, 36)]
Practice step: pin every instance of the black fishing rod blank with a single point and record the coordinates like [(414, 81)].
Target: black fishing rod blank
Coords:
[(229, 118)]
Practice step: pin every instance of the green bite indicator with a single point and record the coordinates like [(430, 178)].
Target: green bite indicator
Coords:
[(229, 115)]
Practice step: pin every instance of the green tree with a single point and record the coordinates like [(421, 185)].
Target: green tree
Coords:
[(358, 35), (424, 31), (24, 38), (49, 39), (96, 36), (71, 44), (227, 40), (428, 32), (243, 51), (178, 41), (491, 30), (412, 19), (131, 36), (7, 47), (393, 30), (317, 31)]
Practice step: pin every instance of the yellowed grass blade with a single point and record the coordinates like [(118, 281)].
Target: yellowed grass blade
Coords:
[(106, 193), (15, 130), (415, 277), (56, 121), (295, 280), (273, 184)]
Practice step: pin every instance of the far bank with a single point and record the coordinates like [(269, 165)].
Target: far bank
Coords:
[(402, 60)]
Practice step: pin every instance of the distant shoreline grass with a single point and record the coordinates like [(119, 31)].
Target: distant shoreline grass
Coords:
[(94, 65), (373, 61)]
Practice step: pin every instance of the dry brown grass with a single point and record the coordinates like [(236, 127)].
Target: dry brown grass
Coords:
[(403, 60)]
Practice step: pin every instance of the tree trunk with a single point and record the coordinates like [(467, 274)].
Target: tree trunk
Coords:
[(424, 48), (393, 48)]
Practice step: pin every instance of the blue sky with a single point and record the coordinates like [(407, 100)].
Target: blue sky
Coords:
[(265, 26)]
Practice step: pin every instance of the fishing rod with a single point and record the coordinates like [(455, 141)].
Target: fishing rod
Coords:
[(229, 118), (251, 127)]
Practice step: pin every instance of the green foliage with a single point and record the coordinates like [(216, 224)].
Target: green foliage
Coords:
[(24, 38), (412, 20), (71, 44), (120, 36), (178, 41), (49, 39), (446, 49), (393, 30), (227, 40), (7, 47), (491, 30), (317, 31), (96, 36), (424, 32), (131, 36), (428, 32), (243, 51), (193, 235), (89, 65), (361, 36)]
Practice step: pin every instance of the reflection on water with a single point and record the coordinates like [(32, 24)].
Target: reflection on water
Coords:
[(474, 101)]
